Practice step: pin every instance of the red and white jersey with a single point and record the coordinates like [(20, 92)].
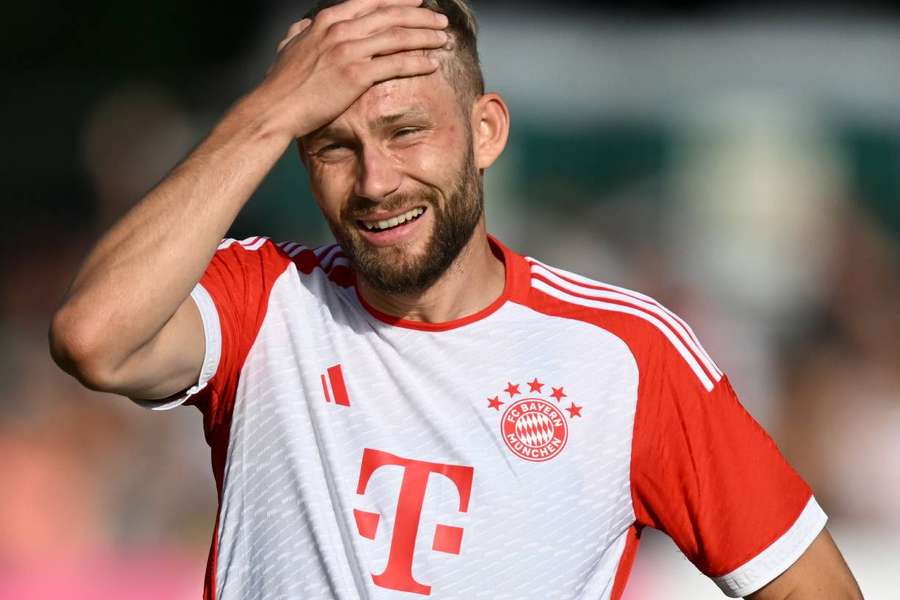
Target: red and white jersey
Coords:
[(516, 453)]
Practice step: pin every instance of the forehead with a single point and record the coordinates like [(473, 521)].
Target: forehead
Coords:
[(428, 95)]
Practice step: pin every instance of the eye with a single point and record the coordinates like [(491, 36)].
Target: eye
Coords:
[(405, 131), (330, 148), (335, 150)]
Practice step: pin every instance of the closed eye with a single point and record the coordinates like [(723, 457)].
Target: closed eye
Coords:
[(330, 147), (335, 150), (406, 131)]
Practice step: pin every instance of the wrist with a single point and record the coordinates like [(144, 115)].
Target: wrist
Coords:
[(257, 115)]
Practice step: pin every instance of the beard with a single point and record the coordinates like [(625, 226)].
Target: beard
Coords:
[(393, 269)]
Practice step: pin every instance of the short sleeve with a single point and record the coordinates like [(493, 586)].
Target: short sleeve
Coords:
[(212, 332), (232, 298), (708, 475)]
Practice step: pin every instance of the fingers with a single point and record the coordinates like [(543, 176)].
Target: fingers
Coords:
[(398, 39), (385, 18), (294, 30), (403, 64), (383, 14), (352, 9)]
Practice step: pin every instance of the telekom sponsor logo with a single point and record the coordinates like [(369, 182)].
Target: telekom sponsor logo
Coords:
[(397, 575)]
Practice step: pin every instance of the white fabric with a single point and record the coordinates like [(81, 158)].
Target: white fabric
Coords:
[(213, 336), (552, 529), (775, 560)]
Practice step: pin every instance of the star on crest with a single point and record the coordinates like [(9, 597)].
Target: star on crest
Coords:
[(512, 390), (558, 393), (574, 410), (495, 403), (535, 385)]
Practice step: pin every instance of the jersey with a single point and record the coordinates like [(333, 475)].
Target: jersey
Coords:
[(516, 453)]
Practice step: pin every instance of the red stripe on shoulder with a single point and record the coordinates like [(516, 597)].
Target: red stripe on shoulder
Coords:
[(330, 259)]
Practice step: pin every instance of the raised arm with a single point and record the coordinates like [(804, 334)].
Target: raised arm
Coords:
[(127, 323), (819, 574)]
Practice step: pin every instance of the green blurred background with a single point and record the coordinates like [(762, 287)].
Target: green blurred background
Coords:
[(740, 164)]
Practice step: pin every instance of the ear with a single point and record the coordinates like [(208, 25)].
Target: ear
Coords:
[(490, 129)]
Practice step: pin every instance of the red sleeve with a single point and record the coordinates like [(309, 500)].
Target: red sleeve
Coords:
[(707, 474), (702, 470), (233, 297)]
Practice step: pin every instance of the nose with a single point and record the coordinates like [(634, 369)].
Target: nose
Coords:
[(377, 175)]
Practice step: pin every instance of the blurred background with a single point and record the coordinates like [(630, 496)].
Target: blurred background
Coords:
[(739, 163)]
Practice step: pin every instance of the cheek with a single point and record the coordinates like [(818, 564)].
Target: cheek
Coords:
[(418, 160), (437, 159), (331, 186)]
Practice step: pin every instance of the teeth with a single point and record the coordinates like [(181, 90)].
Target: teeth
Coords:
[(388, 223)]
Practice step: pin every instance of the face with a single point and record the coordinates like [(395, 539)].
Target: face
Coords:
[(396, 179)]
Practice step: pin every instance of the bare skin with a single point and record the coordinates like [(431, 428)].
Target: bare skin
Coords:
[(819, 574), (357, 155), (127, 324)]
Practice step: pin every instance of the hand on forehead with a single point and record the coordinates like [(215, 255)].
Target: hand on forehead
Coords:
[(368, 55)]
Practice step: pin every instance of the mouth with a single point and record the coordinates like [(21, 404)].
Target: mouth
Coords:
[(378, 226), (392, 230)]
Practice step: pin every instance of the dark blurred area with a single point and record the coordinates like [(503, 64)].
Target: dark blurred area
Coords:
[(739, 162)]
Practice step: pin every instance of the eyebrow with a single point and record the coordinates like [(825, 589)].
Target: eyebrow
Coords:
[(380, 122), (388, 120)]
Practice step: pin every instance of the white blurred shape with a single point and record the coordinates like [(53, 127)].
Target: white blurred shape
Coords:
[(757, 192)]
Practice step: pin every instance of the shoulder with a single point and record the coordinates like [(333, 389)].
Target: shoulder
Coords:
[(328, 261), (260, 253), (653, 333)]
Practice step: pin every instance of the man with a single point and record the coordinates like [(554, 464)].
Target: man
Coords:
[(418, 410)]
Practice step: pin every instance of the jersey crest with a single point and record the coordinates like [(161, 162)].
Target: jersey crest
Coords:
[(534, 427)]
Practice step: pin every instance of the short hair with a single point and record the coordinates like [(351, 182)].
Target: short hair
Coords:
[(464, 73)]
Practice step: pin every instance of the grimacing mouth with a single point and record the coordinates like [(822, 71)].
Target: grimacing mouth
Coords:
[(386, 224)]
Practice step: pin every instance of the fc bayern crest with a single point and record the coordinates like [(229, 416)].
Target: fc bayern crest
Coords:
[(534, 428)]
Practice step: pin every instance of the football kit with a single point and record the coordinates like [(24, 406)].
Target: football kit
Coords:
[(516, 453)]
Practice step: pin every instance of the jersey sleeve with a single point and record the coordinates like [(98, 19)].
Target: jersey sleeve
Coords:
[(708, 475), (232, 297)]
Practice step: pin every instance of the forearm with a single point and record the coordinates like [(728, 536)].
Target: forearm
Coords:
[(144, 267), (819, 574)]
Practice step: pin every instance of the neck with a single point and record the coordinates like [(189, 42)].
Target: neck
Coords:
[(472, 282)]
